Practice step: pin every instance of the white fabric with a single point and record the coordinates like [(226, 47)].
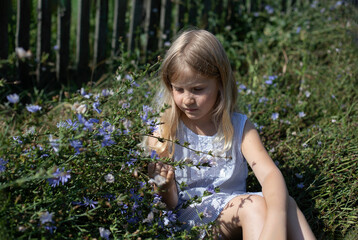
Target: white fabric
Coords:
[(228, 172)]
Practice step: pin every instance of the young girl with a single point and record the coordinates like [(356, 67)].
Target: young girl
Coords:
[(199, 85)]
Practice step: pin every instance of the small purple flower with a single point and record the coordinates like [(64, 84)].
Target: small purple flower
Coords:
[(2, 165), (300, 185), (298, 30), (106, 92), (298, 175), (301, 114), (269, 9), (95, 107), (89, 202), (56, 47), (126, 105), (84, 94), (275, 116), (263, 100), (210, 189), (13, 98), (77, 145), (17, 139), (46, 217), (59, 176), (154, 155), (54, 143), (104, 233), (33, 108)]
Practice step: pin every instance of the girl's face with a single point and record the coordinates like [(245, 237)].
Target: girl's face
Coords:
[(195, 95)]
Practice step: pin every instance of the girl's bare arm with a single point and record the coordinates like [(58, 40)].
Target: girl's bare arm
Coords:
[(272, 182)]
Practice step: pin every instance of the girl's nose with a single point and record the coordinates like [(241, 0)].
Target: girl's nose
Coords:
[(188, 99)]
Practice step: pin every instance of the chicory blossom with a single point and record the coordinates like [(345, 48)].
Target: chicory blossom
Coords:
[(269, 9), (76, 144), (84, 94), (13, 98), (211, 189), (95, 107), (59, 176), (2, 165), (275, 116), (54, 143), (89, 202), (104, 233), (298, 30), (46, 217), (33, 108), (301, 114)]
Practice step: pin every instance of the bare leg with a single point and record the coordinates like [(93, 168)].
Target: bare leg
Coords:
[(243, 216), (297, 225)]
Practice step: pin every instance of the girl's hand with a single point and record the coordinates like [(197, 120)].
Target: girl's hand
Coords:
[(162, 174)]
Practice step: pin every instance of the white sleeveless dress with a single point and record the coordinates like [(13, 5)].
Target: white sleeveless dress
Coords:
[(228, 172)]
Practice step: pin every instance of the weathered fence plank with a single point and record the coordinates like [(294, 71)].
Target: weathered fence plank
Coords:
[(23, 39), (43, 40), (5, 6), (154, 26), (63, 40), (119, 25), (100, 39), (82, 41), (136, 19), (165, 22)]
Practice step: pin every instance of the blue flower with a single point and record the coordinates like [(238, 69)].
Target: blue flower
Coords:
[(95, 107), (17, 139), (46, 217), (275, 116), (89, 202), (33, 108), (269, 9), (301, 114), (298, 30), (106, 92), (2, 165), (84, 94), (88, 125), (59, 176), (13, 98), (54, 143), (154, 155), (104, 233), (77, 145), (210, 189)]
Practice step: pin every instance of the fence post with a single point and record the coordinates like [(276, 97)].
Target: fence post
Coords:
[(63, 40), (23, 39), (4, 21), (43, 40), (119, 25), (82, 42), (154, 26), (136, 18), (100, 39), (165, 22)]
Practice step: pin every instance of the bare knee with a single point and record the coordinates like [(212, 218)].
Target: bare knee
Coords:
[(242, 214)]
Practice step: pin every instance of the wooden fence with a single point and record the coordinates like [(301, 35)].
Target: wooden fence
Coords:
[(143, 26)]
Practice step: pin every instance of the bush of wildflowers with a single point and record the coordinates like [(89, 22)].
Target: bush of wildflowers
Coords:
[(86, 177)]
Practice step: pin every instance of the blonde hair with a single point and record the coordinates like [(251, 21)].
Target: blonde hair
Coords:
[(203, 53)]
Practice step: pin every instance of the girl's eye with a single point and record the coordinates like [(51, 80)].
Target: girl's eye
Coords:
[(177, 89), (198, 89)]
